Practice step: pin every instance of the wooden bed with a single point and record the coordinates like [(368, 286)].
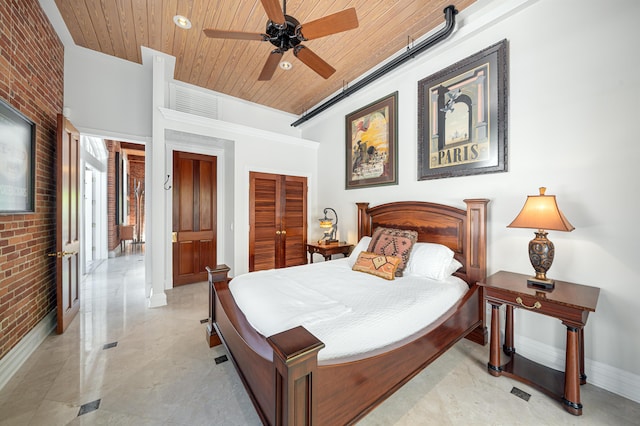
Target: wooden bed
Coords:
[(281, 373)]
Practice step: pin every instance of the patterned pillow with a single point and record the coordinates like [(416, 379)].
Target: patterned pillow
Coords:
[(393, 242), (378, 265)]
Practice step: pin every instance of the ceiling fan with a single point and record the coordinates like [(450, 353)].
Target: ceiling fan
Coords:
[(285, 32)]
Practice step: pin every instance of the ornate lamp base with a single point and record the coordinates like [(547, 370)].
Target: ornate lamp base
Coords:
[(541, 253)]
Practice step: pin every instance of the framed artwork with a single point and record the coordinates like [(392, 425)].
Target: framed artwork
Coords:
[(462, 117), (372, 144), (17, 158)]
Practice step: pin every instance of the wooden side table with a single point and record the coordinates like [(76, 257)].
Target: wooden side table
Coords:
[(568, 302), (327, 250)]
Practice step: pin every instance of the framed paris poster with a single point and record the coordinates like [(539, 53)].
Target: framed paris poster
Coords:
[(462, 117), (372, 144)]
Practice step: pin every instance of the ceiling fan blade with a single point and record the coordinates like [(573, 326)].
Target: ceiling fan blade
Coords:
[(330, 24), (234, 35), (270, 66), (314, 61), (274, 11)]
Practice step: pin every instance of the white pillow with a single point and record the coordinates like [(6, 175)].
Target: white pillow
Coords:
[(453, 267), (431, 261), (359, 248)]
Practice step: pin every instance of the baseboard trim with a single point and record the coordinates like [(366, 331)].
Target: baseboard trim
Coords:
[(157, 299), (14, 359), (620, 382)]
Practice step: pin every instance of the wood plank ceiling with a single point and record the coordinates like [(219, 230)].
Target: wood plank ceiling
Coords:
[(232, 67)]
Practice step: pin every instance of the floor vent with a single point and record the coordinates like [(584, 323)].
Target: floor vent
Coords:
[(110, 345), (520, 394), (221, 359), (89, 407), (202, 321)]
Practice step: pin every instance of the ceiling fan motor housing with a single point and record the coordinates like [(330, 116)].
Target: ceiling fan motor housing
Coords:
[(286, 36)]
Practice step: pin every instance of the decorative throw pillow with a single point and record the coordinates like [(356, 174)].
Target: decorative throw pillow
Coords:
[(393, 242), (375, 264)]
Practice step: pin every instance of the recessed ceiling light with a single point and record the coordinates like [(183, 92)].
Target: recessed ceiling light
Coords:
[(285, 65), (182, 22)]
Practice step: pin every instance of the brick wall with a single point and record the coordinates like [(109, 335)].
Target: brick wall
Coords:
[(136, 174), (113, 239), (31, 80)]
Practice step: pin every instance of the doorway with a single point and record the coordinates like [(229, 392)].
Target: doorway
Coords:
[(132, 218), (93, 199)]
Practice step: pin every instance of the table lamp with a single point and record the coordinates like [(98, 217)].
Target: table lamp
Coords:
[(541, 212), (330, 227)]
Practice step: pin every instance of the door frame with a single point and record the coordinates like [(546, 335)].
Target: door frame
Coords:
[(170, 147), (100, 213)]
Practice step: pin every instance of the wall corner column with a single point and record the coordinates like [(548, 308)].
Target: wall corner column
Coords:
[(157, 238)]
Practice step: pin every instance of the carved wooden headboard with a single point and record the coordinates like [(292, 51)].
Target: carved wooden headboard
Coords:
[(463, 231)]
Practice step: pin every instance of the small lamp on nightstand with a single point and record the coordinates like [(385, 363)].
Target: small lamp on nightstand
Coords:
[(541, 212), (330, 227)]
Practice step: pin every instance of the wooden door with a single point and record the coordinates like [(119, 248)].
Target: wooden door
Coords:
[(277, 221), (194, 216), (294, 221), (67, 223), (264, 221)]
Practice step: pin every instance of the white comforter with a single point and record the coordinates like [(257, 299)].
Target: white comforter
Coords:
[(351, 312)]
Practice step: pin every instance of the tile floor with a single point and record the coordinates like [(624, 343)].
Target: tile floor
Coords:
[(124, 364)]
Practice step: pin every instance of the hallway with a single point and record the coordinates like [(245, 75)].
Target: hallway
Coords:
[(145, 366)]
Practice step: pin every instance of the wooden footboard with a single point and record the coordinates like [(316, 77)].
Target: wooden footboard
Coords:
[(287, 386), (281, 373)]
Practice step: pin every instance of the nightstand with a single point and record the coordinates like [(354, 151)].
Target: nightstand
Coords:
[(329, 249), (568, 302)]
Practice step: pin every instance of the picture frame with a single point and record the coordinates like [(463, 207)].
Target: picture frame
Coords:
[(372, 144), (462, 117), (17, 161)]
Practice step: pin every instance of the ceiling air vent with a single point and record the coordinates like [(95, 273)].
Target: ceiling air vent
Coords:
[(193, 101)]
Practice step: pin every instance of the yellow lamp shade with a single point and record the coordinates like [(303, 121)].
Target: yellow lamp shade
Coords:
[(541, 212)]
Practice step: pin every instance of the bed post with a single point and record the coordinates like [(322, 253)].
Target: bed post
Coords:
[(476, 258), (295, 361), (215, 275), (364, 220)]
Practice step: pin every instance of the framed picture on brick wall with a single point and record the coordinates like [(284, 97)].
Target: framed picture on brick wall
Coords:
[(17, 158)]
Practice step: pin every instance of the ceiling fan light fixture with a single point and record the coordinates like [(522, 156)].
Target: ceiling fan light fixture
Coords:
[(182, 22), (286, 32)]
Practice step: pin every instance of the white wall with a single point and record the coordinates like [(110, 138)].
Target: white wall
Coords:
[(245, 150), (249, 148), (107, 96), (573, 103)]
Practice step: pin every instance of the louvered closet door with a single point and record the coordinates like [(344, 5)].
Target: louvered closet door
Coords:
[(277, 221), (295, 221), (264, 220)]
